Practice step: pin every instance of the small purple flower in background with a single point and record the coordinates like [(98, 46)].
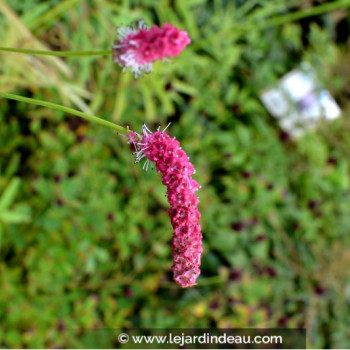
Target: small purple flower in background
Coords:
[(139, 48), (235, 275), (176, 169)]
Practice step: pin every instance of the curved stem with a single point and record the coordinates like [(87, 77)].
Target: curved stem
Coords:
[(57, 53), (312, 11), (68, 110)]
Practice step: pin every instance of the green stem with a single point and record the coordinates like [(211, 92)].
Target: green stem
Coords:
[(294, 16), (68, 110), (57, 53)]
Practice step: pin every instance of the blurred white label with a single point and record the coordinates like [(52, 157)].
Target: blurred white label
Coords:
[(299, 102)]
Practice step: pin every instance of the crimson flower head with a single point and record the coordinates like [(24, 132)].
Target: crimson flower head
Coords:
[(176, 170), (139, 47)]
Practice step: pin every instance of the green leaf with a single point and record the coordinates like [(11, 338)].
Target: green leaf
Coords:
[(9, 194), (13, 217)]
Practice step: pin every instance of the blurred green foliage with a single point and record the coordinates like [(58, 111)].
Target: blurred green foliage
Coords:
[(85, 236)]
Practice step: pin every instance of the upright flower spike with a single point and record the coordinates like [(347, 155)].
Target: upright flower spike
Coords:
[(139, 47), (176, 170)]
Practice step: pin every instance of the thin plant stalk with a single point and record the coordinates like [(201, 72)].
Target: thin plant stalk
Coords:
[(294, 16), (68, 110), (57, 53)]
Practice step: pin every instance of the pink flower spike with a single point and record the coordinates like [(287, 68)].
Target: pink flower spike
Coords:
[(139, 48), (176, 169)]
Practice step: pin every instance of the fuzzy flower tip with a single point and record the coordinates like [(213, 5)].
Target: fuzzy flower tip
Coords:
[(139, 47), (176, 170)]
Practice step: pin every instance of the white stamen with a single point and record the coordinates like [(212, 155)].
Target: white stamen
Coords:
[(144, 126), (139, 158), (166, 127), (145, 165)]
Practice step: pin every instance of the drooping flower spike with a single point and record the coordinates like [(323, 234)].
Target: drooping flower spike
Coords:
[(138, 48), (176, 170)]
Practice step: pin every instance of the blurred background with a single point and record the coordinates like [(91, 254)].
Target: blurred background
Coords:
[(85, 234)]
